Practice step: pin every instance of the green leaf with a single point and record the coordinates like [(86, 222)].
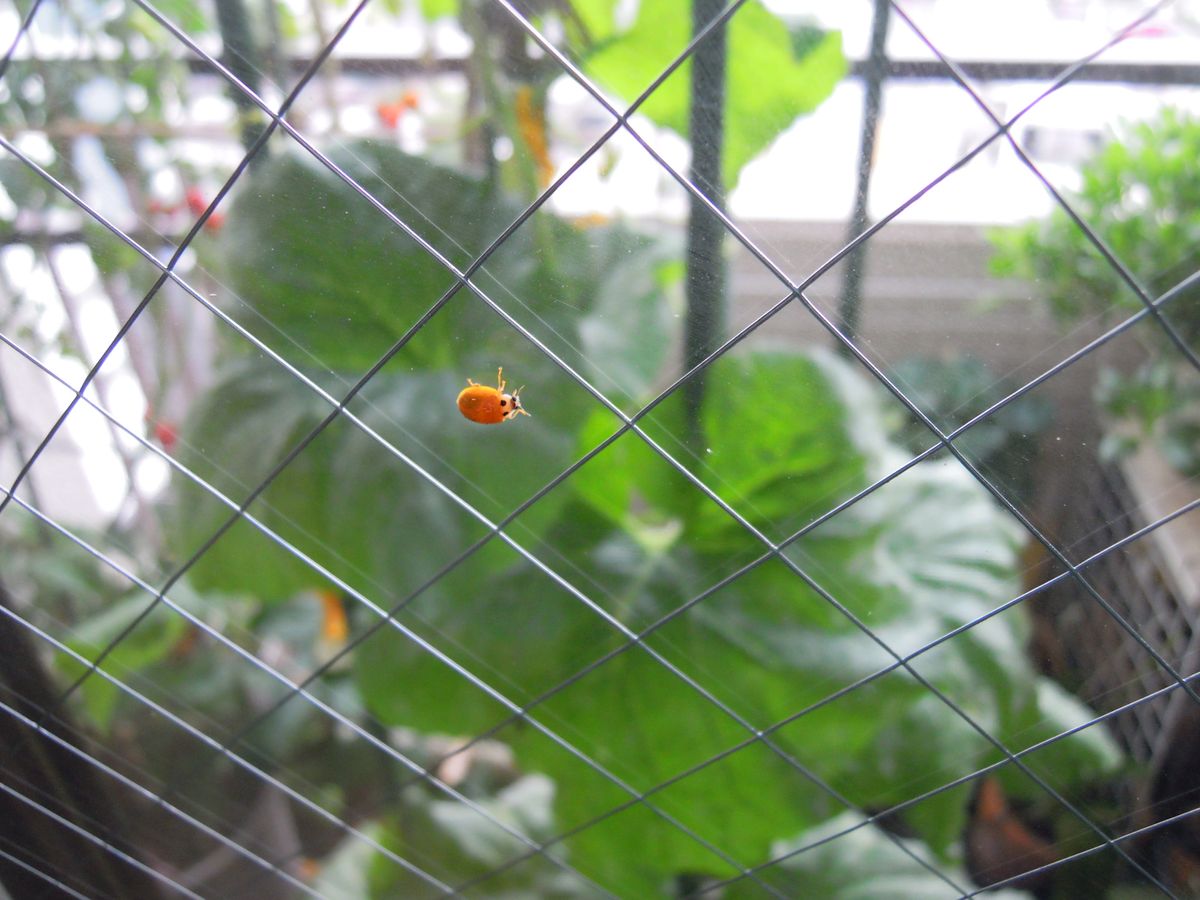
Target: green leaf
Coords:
[(770, 79), (779, 441), (916, 559), (779, 468), (328, 281), (332, 275)]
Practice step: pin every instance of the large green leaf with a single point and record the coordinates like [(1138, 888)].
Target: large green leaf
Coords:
[(779, 445), (914, 560), (770, 80), (320, 268), (327, 280)]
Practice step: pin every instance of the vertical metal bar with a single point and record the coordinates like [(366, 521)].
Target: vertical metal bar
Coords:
[(873, 75), (706, 275), (239, 55)]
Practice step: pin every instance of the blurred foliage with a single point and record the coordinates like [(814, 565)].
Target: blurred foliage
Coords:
[(861, 865), (330, 284), (774, 74), (914, 560), (1004, 443), (1141, 195)]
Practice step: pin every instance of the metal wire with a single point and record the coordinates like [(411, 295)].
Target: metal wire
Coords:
[(462, 280), (16, 41), (691, 683), (627, 423)]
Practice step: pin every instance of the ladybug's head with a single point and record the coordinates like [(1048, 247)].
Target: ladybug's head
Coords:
[(510, 404)]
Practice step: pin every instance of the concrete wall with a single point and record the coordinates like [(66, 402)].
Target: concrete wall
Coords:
[(926, 291)]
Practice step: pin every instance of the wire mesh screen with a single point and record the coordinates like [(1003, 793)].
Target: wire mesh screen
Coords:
[(728, 585)]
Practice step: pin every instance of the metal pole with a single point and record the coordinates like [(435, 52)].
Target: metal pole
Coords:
[(873, 75), (240, 56), (706, 275)]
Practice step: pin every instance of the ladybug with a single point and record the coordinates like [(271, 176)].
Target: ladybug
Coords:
[(488, 405)]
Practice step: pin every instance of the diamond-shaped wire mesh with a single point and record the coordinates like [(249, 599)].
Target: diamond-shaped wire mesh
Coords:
[(722, 618)]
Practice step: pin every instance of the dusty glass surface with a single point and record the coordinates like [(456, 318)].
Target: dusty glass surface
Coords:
[(293, 586)]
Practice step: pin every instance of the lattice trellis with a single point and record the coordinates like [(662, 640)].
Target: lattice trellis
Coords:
[(1150, 645)]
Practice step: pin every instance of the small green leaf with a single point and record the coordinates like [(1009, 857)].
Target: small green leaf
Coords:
[(776, 437), (439, 9)]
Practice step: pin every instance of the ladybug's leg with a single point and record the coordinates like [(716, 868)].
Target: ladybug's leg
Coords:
[(500, 379)]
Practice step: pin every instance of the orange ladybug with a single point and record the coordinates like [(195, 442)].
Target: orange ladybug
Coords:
[(488, 405)]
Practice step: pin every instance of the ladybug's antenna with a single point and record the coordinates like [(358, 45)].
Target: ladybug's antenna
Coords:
[(517, 407)]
